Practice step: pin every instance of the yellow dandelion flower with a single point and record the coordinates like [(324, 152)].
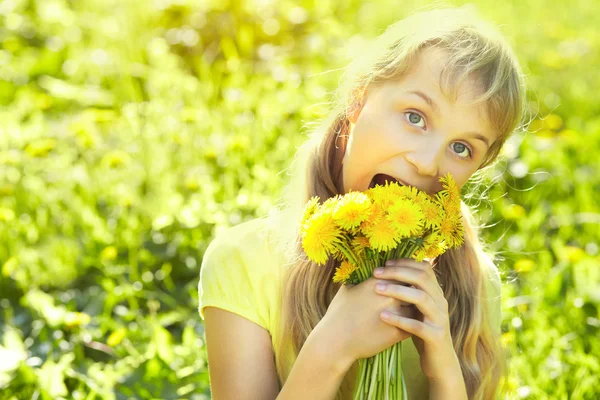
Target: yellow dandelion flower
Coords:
[(394, 190), (353, 209), (451, 205), (433, 213), (449, 186), (427, 252), (320, 234), (343, 272), (332, 203), (409, 192), (432, 247), (419, 255), (377, 214), (449, 196), (359, 244), (451, 231), (407, 218), (382, 235), (310, 208), (381, 196)]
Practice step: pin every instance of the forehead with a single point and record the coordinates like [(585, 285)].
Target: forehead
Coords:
[(425, 74)]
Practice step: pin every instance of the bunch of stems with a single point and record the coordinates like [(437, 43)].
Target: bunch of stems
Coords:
[(380, 377)]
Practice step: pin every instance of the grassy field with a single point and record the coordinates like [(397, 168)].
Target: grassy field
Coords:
[(132, 131)]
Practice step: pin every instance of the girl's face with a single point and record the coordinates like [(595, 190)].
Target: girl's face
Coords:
[(409, 130)]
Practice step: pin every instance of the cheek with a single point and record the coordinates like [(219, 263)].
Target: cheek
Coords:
[(381, 134), (462, 175)]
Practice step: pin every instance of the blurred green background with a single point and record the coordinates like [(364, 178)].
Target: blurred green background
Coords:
[(132, 131)]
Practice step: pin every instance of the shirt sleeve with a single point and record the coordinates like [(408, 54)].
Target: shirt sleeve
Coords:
[(227, 280)]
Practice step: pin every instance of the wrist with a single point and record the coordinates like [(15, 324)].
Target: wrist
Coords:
[(452, 382), (330, 348)]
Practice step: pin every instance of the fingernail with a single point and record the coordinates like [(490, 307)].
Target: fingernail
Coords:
[(378, 271), (389, 263)]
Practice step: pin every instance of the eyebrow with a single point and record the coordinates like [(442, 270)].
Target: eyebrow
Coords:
[(436, 109), (427, 99)]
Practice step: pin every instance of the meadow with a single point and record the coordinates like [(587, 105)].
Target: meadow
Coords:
[(132, 132)]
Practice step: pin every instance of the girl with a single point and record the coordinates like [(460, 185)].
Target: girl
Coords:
[(437, 92)]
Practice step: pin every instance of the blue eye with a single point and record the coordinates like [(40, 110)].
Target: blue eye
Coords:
[(415, 119), (461, 147)]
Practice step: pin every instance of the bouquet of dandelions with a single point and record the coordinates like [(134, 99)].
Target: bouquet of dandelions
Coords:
[(363, 230)]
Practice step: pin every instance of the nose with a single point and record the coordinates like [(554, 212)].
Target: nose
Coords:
[(426, 159)]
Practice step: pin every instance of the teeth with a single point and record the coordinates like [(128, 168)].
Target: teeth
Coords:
[(378, 178)]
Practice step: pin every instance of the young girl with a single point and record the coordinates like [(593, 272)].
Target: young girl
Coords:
[(438, 92)]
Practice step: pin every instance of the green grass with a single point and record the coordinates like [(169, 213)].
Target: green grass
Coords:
[(133, 131)]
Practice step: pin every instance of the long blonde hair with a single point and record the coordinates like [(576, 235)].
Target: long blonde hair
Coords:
[(475, 50)]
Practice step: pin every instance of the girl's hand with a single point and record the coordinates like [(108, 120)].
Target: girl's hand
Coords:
[(352, 327), (431, 327)]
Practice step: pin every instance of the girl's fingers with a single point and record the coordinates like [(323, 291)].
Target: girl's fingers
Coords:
[(419, 298), (420, 276), (426, 266), (428, 333)]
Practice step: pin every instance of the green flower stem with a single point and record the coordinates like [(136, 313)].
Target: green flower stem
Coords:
[(390, 369), (382, 359), (368, 374), (373, 377), (361, 378), (352, 256), (381, 376), (400, 373)]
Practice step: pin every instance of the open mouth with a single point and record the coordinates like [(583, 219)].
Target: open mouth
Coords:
[(382, 179)]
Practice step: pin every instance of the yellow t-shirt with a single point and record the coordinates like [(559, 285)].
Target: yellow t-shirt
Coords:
[(240, 272)]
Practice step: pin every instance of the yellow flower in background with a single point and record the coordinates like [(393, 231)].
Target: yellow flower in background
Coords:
[(353, 209), (116, 159), (343, 272), (109, 253), (72, 319), (116, 337), (406, 217), (6, 214), (319, 236), (40, 147)]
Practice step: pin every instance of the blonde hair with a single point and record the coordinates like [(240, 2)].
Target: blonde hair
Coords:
[(475, 50)]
